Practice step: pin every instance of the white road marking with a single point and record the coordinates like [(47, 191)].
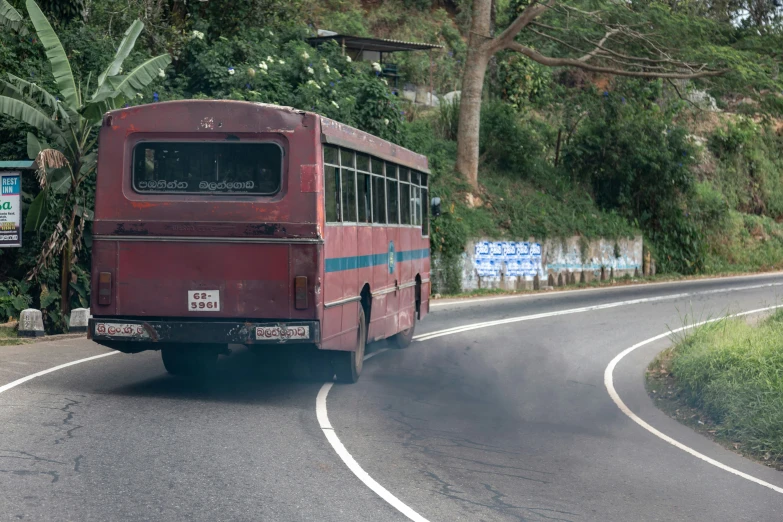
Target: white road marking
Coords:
[(471, 300), (609, 383), (486, 324), (334, 440), (345, 456), (23, 380)]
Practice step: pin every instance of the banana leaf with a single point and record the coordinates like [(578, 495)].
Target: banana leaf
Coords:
[(10, 18), (40, 96), (102, 102), (34, 146), (125, 48), (139, 77), (22, 111), (37, 212), (59, 180), (61, 67)]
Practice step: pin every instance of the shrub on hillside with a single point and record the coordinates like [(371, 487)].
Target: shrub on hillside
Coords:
[(637, 162)]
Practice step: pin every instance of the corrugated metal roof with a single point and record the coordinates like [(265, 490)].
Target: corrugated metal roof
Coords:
[(385, 45), (28, 164)]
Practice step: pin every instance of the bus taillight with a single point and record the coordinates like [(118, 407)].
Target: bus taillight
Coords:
[(300, 292), (104, 288)]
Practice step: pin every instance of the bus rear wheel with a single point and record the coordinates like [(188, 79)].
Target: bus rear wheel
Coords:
[(348, 365), (189, 361), (404, 338)]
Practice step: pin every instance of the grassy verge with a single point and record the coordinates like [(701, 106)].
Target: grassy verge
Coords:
[(8, 336), (725, 380)]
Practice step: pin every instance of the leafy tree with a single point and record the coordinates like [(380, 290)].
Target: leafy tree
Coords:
[(604, 38), (65, 138)]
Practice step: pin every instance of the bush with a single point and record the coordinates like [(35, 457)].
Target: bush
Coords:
[(511, 143), (637, 162)]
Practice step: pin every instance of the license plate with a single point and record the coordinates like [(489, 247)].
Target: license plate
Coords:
[(120, 330), (282, 332), (204, 300)]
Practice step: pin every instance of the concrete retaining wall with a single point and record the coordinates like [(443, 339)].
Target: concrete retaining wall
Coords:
[(514, 264)]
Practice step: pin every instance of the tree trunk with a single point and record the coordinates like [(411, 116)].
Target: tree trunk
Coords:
[(472, 87)]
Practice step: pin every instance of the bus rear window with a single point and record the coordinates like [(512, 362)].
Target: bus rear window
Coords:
[(207, 168)]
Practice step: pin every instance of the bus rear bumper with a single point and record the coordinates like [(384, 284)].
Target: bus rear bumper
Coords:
[(122, 330)]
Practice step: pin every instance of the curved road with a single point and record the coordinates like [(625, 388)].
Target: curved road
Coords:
[(510, 421)]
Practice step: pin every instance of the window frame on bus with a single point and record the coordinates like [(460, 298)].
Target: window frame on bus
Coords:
[(337, 183), (417, 183), (155, 140), (352, 169)]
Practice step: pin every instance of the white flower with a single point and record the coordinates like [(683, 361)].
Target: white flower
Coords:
[(161, 73), (310, 70), (197, 34), (386, 121), (281, 62), (305, 55), (376, 67), (263, 66), (139, 95), (384, 81), (335, 104), (328, 70), (313, 83), (231, 70), (270, 59), (271, 33), (347, 58)]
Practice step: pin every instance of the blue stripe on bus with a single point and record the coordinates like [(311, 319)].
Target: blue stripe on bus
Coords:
[(338, 264)]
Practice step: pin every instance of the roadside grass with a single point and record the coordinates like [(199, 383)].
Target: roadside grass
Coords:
[(725, 379), (8, 336)]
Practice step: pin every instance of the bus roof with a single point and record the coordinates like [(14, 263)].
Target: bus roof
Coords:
[(332, 132)]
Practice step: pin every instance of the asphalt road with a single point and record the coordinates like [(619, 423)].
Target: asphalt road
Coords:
[(511, 421)]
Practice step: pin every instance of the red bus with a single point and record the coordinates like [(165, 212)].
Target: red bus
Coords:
[(225, 222)]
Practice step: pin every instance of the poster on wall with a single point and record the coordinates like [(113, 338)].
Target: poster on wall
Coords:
[(10, 210)]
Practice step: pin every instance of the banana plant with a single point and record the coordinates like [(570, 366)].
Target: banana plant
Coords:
[(11, 19), (65, 142)]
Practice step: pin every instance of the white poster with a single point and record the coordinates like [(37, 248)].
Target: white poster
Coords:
[(10, 210)]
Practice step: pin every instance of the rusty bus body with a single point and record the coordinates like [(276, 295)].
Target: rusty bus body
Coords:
[(220, 222)]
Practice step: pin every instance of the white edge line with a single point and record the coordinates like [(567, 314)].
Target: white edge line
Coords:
[(348, 460), (609, 383), (465, 328), (30, 377), (436, 303)]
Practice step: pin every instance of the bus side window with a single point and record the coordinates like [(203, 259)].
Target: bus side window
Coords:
[(363, 185), (405, 197), (378, 192), (332, 184), (425, 207), (332, 193), (392, 195), (348, 180)]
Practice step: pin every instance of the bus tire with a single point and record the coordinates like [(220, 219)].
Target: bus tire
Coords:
[(347, 366), (189, 362), (404, 338)]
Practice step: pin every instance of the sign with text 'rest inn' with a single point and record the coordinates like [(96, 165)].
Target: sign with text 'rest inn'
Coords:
[(10, 210)]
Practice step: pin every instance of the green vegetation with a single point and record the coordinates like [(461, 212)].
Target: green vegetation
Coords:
[(562, 152), (732, 373)]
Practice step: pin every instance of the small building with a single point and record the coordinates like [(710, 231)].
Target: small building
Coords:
[(361, 48)]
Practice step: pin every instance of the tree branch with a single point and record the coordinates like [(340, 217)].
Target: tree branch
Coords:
[(602, 41), (571, 62), (530, 13)]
